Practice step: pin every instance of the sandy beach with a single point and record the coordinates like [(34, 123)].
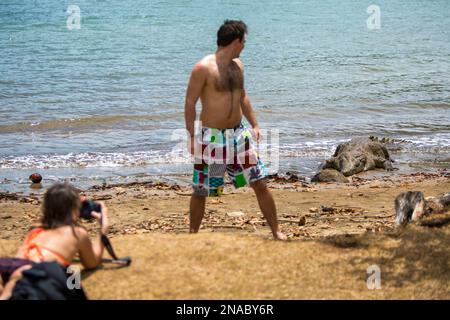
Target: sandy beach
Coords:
[(336, 231), (105, 96)]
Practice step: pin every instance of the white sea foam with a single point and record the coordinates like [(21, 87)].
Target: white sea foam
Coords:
[(92, 160), (439, 143)]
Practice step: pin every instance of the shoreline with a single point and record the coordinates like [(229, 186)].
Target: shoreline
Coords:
[(366, 203), (16, 179)]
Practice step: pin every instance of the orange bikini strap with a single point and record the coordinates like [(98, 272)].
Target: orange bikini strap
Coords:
[(31, 245), (34, 246), (57, 255), (33, 234)]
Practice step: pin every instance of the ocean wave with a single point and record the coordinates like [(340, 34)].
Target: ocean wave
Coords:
[(74, 123), (320, 149), (438, 143), (92, 160)]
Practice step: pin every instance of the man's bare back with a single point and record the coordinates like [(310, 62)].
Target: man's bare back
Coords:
[(222, 93)]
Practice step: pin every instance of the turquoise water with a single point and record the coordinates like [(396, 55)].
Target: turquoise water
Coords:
[(103, 102)]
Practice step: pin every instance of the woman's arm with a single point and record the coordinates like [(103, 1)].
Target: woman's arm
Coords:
[(6, 293), (91, 253)]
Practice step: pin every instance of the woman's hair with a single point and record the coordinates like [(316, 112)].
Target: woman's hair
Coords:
[(59, 202), (229, 31)]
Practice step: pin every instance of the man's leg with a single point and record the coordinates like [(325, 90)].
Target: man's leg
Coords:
[(267, 206), (197, 211)]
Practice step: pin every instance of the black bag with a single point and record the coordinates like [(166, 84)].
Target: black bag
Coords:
[(45, 281)]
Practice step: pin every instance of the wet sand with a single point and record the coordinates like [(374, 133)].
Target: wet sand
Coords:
[(336, 232)]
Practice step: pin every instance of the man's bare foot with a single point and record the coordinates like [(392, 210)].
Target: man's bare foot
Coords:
[(279, 236)]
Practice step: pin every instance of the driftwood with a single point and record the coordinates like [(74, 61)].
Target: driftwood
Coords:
[(184, 194), (438, 222), (287, 221), (413, 206), (225, 226), (146, 184)]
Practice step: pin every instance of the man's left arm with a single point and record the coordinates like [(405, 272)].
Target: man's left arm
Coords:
[(249, 114), (247, 108)]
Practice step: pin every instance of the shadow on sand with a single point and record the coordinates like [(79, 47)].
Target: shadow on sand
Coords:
[(405, 256)]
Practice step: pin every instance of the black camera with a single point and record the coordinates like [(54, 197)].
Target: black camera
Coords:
[(87, 206)]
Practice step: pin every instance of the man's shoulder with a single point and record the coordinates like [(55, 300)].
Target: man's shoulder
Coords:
[(239, 62), (205, 63)]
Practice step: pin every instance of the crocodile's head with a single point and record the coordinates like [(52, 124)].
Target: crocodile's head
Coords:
[(350, 164)]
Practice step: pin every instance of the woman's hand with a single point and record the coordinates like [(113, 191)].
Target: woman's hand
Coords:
[(102, 217)]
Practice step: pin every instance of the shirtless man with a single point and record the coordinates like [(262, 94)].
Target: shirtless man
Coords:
[(218, 80)]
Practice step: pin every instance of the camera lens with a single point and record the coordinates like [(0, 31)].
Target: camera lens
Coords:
[(87, 207)]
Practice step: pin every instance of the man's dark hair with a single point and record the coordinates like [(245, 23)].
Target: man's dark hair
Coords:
[(229, 31)]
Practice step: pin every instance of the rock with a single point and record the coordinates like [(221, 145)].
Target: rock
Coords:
[(26, 200), (302, 221), (329, 175), (358, 155), (9, 196), (35, 178), (313, 210), (293, 177), (290, 177), (327, 209)]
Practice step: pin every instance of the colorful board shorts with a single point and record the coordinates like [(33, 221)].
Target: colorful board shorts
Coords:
[(225, 150)]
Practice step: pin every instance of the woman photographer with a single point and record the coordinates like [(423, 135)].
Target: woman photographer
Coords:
[(58, 239)]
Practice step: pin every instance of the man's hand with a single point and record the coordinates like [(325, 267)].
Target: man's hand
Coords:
[(257, 133), (247, 110)]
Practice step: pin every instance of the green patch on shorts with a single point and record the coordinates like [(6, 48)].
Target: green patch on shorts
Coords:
[(240, 180)]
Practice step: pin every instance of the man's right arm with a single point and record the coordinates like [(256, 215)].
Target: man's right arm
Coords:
[(196, 83)]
